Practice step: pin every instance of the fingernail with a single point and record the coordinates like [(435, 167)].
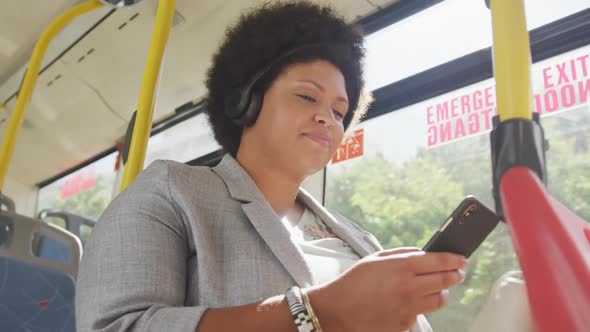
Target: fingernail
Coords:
[(445, 293), (462, 273)]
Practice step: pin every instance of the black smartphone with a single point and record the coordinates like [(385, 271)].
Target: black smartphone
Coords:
[(465, 229)]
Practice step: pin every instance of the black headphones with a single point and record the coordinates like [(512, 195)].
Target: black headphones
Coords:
[(244, 104)]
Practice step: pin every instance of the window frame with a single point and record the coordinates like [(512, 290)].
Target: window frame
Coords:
[(563, 35)]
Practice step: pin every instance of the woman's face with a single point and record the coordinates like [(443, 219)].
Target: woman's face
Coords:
[(301, 125)]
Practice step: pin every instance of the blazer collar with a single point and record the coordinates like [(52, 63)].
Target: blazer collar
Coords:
[(344, 231), (239, 183), (268, 224)]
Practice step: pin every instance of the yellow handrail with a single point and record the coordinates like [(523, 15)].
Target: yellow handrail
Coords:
[(26, 91), (143, 123), (512, 60)]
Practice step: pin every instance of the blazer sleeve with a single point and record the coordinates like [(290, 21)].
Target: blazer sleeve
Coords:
[(132, 276)]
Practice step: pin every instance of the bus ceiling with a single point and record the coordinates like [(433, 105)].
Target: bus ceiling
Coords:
[(90, 77)]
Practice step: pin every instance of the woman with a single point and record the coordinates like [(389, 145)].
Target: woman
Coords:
[(220, 249)]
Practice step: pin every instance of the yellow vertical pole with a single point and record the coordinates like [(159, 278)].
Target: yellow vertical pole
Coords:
[(26, 91), (145, 106), (512, 60)]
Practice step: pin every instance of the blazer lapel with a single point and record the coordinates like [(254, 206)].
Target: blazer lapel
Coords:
[(345, 232), (242, 188)]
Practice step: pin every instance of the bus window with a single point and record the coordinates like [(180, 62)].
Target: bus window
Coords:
[(85, 231), (85, 192), (59, 222), (414, 165), (443, 33), (185, 141)]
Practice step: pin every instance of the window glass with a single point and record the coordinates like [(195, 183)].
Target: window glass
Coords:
[(444, 32), (59, 222), (86, 192), (185, 141), (404, 172), (85, 231)]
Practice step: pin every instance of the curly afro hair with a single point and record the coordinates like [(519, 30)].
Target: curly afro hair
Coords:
[(269, 32)]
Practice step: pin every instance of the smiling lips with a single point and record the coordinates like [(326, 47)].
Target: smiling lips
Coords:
[(320, 138)]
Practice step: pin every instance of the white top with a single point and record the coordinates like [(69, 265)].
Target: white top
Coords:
[(326, 254)]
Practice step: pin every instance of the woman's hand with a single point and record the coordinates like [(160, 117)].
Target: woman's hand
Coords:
[(387, 290)]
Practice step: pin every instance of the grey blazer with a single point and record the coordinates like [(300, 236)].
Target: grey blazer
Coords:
[(182, 239)]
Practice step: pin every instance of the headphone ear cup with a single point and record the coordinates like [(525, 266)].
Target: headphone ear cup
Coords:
[(232, 105), (242, 106), (252, 110)]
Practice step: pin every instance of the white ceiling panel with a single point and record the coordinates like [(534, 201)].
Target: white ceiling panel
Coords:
[(118, 54), (55, 89), (83, 101), (385, 3), (22, 23), (30, 161), (351, 10), (88, 130), (5, 113), (66, 123)]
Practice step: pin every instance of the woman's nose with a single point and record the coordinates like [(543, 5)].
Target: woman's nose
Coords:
[(325, 118)]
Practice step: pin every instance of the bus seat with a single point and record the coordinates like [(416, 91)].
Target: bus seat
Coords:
[(52, 250), (73, 222), (4, 229), (38, 267), (35, 298), (507, 308), (7, 203)]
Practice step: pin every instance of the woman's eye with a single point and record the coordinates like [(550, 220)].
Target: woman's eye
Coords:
[(308, 98), (338, 114)]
